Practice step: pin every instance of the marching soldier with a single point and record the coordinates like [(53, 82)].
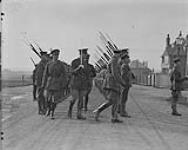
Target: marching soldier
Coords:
[(176, 85), (79, 82), (38, 77), (91, 74), (111, 87), (54, 79), (126, 76)]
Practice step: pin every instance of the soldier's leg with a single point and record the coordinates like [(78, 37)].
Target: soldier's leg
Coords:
[(39, 106), (123, 101), (86, 101), (72, 102), (175, 95), (53, 106), (39, 102), (114, 111), (48, 102), (81, 94), (34, 92), (101, 108), (43, 108)]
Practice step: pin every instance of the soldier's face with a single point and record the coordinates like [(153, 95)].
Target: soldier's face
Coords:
[(55, 56), (126, 60), (43, 57)]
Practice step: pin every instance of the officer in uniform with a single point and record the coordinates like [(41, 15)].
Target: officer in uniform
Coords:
[(111, 86), (91, 74), (55, 80), (176, 85), (38, 77), (79, 82), (126, 76)]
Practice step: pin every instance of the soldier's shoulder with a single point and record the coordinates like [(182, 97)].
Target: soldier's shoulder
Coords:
[(61, 62), (75, 60), (49, 62)]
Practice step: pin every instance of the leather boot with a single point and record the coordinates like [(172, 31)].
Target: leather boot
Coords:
[(96, 112), (70, 110), (174, 111), (79, 115)]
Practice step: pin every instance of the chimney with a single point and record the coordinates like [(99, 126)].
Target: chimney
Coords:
[(168, 40)]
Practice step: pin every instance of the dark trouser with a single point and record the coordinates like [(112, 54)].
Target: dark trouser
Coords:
[(34, 92), (175, 96), (77, 94), (41, 102), (123, 100), (113, 100), (87, 98), (53, 97)]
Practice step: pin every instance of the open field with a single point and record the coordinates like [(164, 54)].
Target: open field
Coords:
[(14, 83), (13, 78)]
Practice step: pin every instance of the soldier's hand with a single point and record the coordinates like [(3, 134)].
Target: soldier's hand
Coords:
[(81, 66)]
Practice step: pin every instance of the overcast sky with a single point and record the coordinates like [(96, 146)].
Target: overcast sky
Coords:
[(70, 24)]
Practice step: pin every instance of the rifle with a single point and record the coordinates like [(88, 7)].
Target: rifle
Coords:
[(111, 41), (33, 61), (34, 50), (105, 55), (39, 47), (98, 60), (105, 61), (107, 43), (26, 41)]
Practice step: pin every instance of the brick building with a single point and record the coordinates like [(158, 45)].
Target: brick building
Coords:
[(141, 71), (178, 48)]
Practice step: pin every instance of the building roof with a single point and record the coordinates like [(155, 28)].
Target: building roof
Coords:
[(173, 48)]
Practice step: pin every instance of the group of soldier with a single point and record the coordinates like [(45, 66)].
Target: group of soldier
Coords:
[(114, 83), (51, 79)]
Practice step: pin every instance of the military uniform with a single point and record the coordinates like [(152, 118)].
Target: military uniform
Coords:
[(111, 86), (126, 77), (176, 86), (99, 80), (91, 74), (79, 84), (38, 77), (55, 80)]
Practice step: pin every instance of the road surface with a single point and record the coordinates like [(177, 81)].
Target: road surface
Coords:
[(151, 127)]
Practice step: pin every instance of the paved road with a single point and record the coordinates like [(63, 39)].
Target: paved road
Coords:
[(150, 128)]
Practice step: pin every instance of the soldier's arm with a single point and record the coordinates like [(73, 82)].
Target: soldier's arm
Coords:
[(124, 74), (45, 76), (115, 71), (64, 73), (75, 66), (93, 72), (177, 76)]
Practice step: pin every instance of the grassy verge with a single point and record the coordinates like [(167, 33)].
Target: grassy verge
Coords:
[(15, 83)]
